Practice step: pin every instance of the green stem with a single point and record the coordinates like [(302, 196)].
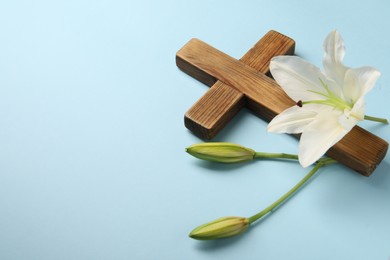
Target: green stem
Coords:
[(260, 155), (270, 208), (376, 119)]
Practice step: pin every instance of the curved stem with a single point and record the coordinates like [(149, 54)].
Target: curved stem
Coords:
[(290, 193), (376, 119), (260, 155)]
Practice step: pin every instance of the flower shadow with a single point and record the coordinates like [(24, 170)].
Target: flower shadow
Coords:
[(221, 167), (220, 244), (229, 167)]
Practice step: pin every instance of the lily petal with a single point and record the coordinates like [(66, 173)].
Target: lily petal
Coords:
[(333, 57), (359, 109), (322, 134), (359, 82), (300, 79), (334, 47), (293, 120)]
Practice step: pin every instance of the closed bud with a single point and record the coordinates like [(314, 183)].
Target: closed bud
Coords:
[(220, 228), (221, 152)]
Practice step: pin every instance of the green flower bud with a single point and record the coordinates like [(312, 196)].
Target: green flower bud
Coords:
[(220, 228), (221, 152)]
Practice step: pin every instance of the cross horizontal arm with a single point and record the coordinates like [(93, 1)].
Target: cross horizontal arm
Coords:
[(359, 149)]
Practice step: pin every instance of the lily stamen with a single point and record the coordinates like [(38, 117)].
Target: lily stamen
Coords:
[(335, 103), (331, 99)]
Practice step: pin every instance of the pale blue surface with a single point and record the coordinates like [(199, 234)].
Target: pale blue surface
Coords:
[(92, 161)]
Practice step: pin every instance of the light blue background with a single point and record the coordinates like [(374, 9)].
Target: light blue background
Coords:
[(92, 161)]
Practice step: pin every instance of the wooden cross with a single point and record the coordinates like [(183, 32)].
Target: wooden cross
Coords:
[(237, 83)]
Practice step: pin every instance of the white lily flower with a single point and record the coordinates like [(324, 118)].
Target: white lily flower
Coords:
[(329, 102)]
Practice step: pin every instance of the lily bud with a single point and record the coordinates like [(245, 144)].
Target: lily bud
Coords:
[(221, 152), (220, 228)]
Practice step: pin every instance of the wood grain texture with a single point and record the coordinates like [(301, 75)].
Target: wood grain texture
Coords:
[(213, 111), (221, 103), (359, 149)]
